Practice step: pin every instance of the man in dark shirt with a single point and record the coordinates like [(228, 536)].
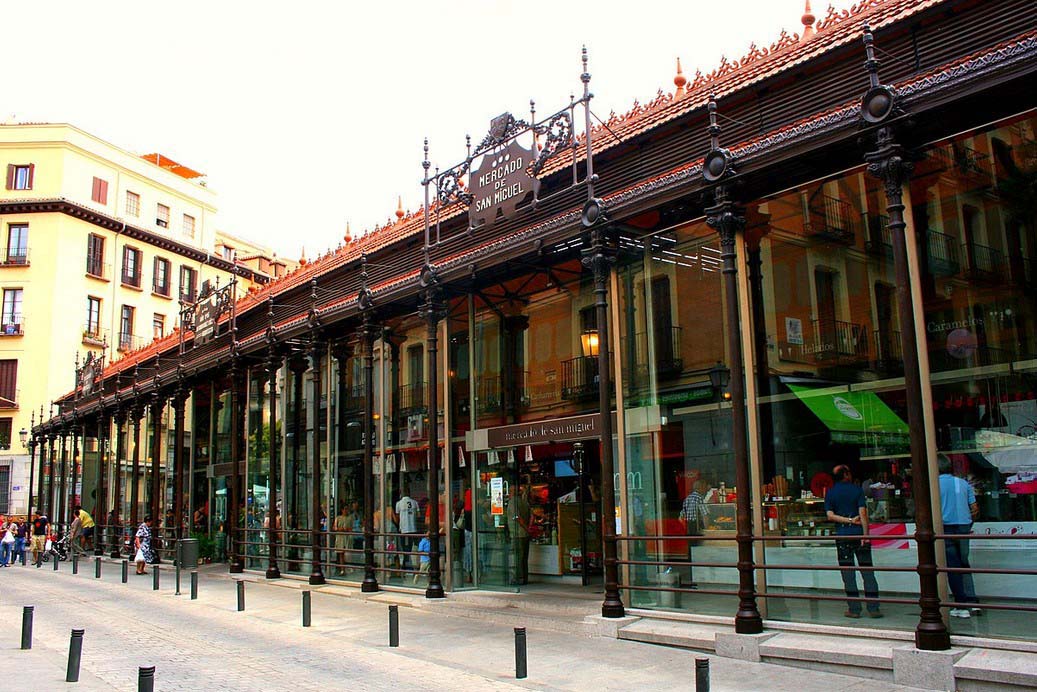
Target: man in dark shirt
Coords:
[(845, 505), (39, 536)]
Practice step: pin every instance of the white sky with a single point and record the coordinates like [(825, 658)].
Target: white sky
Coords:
[(307, 114)]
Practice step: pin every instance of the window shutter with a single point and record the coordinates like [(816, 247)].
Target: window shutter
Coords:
[(32, 172), (8, 379), (10, 176), (94, 190), (104, 192)]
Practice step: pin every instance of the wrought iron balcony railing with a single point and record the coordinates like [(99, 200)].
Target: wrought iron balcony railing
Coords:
[(942, 254), (888, 352), (580, 378), (880, 238), (413, 397), (833, 219), (14, 257), (838, 339), (664, 355), (984, 263)]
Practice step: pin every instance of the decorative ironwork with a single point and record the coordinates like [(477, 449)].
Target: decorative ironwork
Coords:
[(202, 317)]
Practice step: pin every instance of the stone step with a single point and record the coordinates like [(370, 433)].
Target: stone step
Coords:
[(686, 635), (989, 669)]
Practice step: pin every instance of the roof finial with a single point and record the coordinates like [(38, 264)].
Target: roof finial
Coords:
[(302, 257), (808, 23), (680, 80), (349, 235), (399, 208)]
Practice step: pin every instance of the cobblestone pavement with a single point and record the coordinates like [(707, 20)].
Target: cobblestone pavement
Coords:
[(208, 645)]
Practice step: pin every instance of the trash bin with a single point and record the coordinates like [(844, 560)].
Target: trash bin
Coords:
[(669, 580), (188, 551)]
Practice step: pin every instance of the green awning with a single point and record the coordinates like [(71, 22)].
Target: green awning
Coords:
[(854, 417)]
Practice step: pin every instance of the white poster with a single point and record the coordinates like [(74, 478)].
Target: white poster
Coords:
[(460, 457), (794, 330), (497, 496)]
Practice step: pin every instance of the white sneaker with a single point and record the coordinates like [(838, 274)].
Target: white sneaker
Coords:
[(960, 613)]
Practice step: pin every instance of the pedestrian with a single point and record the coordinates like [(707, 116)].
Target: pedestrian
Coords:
[(341, 525), (424, 546), (406, 517), (7, 540), (21, 538), (40, 523), (846, 506), (86, 526), (518, 528), (959, 508), (694, 514), (142, 542)]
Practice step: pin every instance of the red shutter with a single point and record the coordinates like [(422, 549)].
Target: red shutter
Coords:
[(8, 381), (104, 192), (94, 190), (10, 176), (32, 172)]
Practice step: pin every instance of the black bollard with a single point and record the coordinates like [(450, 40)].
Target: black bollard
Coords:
[(27, 627), (146, 679), (97, 568), (241, 596), (520, 653), (701, 675), (394, 625), (75, 563), (75, 653), (178, 575), (154, 578), (306, 609), (125, 571), (55, 562), (194, 586)]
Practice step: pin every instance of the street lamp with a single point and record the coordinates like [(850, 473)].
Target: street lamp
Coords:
[(23, 435), (719, 377), (589, 341)]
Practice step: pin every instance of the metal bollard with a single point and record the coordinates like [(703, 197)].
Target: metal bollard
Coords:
[(75, 653), (178, 570), (194, 586), (701, 675), (75, 563), (520, 653), (125, 571), (306, 619), (241, 596), (146, 679), (55, 563), (154, 578), (394, 625), (27, 627), (97, 568)]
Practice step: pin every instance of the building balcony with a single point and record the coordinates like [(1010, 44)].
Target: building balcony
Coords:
[(14, 257), (580, 378), (838, 340), (94, 335), (130, 342), (888, 353), (491, 395), (942, 254), (664, 356), (98, 270), (12, 325), (413, 398), (10, 399), (832, 219), (880, 237), (983, 263)]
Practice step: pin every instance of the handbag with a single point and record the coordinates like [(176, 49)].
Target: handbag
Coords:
[(8, 537), (139, 557)]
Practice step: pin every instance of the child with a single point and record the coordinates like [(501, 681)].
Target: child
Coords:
[(424, 546)]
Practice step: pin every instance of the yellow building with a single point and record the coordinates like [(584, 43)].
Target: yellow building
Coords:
[(97, 248)]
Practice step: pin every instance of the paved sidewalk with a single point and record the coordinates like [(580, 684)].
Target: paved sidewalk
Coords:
[(206, 644)]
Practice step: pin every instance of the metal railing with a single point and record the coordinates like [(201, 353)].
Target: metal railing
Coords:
[(12, 325), (98, 269), (833, 219), (95, 335), (880, 237), (413, 397), (942, 254), (838, 339), (14, 257), (665, 358), (984, 262), (888, 353), (580, 378), (492, 396), (130, 342)]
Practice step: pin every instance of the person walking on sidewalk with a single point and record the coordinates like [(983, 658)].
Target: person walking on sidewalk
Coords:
[(40, 522), (21, 538), (86, 525), (142, 542), (7, 539), (846, 506), (959, 508)]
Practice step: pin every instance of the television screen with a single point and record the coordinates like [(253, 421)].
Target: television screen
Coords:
[(564, 468)]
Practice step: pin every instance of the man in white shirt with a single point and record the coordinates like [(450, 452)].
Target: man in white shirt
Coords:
[(407, 519)]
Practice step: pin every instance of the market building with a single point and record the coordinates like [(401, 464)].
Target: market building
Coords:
[(99, 246), (820, 254)]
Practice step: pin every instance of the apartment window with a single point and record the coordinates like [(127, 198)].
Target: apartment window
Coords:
[(17, 244), (228, 253), (8, 383), (131, 266), (158, 326), (95, 255), (6, 428), (188, 225), (93, 316), (162, 216), (126, 328), (19, 176), (188, 277), (161, 283), (132, 204), (99, 193), (12, 314)]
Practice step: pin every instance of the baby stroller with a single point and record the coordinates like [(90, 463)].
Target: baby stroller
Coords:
[(58, 546)]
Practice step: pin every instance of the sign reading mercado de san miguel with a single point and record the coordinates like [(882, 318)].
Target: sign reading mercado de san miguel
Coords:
[(503, 178)]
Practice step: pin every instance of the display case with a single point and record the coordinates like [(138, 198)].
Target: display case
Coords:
[(807, 517), (570, 555), (721, 518)]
